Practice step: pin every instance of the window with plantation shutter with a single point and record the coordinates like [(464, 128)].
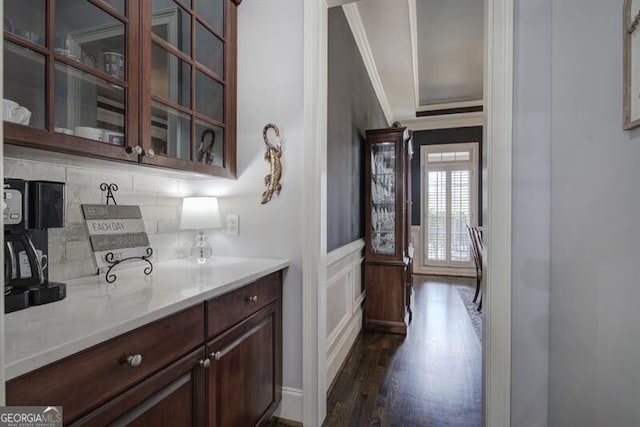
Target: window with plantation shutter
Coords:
[(449, 195)]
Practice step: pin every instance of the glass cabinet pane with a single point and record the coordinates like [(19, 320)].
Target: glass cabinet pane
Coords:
[(172, 23), (170, 132), (210, 144), (209, 50), (170, 77), (24, 86), (89, 107), (26, 19), (86, 33), (383, 198), (118, 5), (211, 12), (209, 97)]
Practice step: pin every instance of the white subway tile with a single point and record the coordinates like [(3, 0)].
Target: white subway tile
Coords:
[(138, 198), (71, 270), (30, 170), (56, 253), (159, 212), (82, 194), (155, 183), (164, 200), (80, 177), (78, 250), (74, 214), (69, 233), (151, 227), (168, 225)]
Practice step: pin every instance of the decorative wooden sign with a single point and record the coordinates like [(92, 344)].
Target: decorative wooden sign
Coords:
[(116, 233)]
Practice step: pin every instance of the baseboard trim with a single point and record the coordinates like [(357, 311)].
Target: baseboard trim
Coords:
[(340, 348), (290, 408)]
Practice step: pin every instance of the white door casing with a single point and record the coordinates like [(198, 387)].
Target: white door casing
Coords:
[(498, 92)]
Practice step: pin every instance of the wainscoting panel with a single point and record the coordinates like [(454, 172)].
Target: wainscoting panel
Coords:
[(344, 303), (420, 268)]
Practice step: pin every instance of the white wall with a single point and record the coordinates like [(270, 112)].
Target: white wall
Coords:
[(270, 89), (531, 214), (594, 372)]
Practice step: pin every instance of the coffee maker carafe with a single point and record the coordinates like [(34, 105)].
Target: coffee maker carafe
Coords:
[(30, 208)]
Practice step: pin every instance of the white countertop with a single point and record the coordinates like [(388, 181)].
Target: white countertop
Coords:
[(95, 311)]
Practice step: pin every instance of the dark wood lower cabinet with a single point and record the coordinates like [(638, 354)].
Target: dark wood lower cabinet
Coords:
[(245, 377), (166, 374), (388, 300), (172, 397)]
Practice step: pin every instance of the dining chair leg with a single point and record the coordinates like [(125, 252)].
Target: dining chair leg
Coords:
[(475, 297), (480, 304)]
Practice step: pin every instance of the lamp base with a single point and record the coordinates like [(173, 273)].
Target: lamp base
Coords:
[(201, 250)]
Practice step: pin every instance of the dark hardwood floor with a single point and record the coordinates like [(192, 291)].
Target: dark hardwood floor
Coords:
[(431, 377)]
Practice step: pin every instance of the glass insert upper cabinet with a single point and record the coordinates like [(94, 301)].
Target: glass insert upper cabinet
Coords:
[(388, 198), (68, 81), (189, 119), (149, 81)]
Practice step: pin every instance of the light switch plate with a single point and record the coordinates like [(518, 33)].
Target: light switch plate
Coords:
[(233, 225)]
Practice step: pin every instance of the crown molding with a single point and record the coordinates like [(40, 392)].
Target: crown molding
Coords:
[(445, 121), (360, 36), (413, 30), (451, 105), (334, 3)]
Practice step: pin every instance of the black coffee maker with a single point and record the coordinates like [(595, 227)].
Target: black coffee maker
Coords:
[(30, 208)]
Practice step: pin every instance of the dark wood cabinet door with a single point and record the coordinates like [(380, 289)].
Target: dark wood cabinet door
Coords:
[(188, 104), (71, 76), (174, 396), (245, 377)]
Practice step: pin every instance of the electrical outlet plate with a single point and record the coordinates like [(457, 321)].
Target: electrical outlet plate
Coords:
[(233, 225)]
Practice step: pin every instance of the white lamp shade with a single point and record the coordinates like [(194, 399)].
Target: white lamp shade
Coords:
[(199, 213)]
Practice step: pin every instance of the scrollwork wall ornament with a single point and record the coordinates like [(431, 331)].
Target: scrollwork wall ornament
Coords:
[(273, 154), (631, 92)]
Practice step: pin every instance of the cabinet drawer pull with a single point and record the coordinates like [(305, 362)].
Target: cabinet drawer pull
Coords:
[(253, 298), (217, 355), (135, 360), (205, 363)]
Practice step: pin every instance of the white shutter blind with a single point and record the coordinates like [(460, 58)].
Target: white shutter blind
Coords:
[(460, 214), (437, 216)]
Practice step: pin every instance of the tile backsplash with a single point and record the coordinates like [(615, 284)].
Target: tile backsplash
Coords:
[(159, 198)]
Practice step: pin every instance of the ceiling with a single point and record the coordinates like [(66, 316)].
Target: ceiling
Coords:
[(428, 54)]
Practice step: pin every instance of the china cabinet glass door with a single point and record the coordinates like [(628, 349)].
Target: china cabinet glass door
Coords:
[(383, 198), (66, 73), (187, 48)]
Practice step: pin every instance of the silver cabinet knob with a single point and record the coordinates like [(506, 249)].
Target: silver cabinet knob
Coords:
[(149, 153), (253, 298), (135, 360), (136, 149), (205, 363), (217, 355)]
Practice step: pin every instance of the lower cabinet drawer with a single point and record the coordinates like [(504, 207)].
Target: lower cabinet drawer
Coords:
[(172, 397), (86, 380), (229, 309)]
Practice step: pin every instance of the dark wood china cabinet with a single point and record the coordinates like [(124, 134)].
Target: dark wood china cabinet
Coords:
[(148, 81), (388, 251)]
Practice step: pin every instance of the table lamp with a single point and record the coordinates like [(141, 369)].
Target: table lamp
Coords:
[(200, 213)]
